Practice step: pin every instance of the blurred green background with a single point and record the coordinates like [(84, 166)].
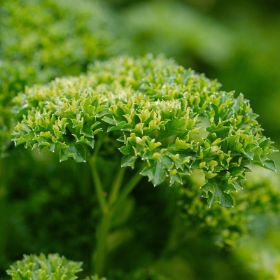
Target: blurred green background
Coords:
[(41, 202)]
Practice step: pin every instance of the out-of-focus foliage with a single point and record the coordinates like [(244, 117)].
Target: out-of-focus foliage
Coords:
[(173, 120), (47, 39), (260, 249), (261, 195), (185, 34), (41, 40), (46, 188)]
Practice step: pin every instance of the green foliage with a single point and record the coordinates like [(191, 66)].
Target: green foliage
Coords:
[(260, 252), (95, 278), (250, 65), (146, 275), (60, 38), (70, 235), (41, 267), (227, 225), (171, 119), (54, 267), (176, 127), (199, 35), (39, 191)]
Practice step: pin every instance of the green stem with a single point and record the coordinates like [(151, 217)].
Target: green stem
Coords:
[(116, 186), (100, 252), (108, 207), (98, 186), (99, 257), (128, 188)]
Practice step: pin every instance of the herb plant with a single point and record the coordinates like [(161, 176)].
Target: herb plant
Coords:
[(98, 143), (54, 267), (151, 118), (44, 268)]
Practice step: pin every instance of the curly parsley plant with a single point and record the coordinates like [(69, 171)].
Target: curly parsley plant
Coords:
[(151, 115)]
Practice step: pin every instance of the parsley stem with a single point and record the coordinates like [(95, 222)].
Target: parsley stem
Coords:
[(128, 188), (99, 257), (100, 251), (116, 186), (108, 207), (98, 186)]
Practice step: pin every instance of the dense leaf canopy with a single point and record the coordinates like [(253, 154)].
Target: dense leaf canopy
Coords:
[(173, 120)]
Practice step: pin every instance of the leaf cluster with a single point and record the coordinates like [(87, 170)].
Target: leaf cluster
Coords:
[(55, 267), (51, 267), (172, 120)]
